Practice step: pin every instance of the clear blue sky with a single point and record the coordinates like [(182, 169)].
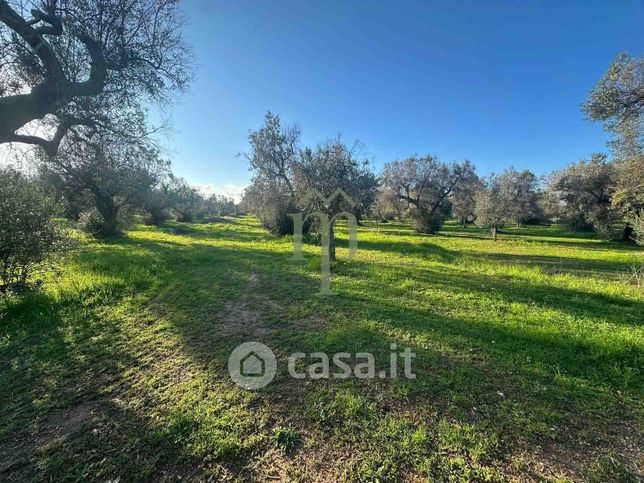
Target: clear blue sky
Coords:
[(499, 83)]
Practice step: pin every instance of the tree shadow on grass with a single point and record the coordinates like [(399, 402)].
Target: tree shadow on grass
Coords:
[(193, 290), (592, 245), (539, 401), (546, 236), (424, 249), (228, 230), (512, 345), (619, 310), (73, 357), (61, 361), (475, 381), (539, 231), (554, 264), (550, 263)]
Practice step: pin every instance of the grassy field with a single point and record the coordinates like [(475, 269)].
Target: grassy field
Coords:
[(529, 359)]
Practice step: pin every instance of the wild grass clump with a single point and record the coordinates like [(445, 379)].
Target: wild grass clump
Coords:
[(635, 275)]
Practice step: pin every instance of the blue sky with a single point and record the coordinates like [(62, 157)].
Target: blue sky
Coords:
[(499, 83)]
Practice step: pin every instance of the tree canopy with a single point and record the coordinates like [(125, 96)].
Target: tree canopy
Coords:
[(617, 101), (425, 185), (73, 64)]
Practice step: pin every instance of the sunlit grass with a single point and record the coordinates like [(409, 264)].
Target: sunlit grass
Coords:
[(529, 357)]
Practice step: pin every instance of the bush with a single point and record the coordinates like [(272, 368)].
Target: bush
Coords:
[(93, 223), (29, 237), (637, 222), (266, 200), (430, 223), (156, 207)]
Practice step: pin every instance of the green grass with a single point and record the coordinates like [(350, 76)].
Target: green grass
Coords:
[(529, 359)]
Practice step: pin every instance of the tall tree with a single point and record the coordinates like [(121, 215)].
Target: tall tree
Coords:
[(274, 151), (617, 101), (72, 63), (464, 197), (330, 167), (273, 159)]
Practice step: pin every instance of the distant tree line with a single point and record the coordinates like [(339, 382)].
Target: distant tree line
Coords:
[(601, 193)]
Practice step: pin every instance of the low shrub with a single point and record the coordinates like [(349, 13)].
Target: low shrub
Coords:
[(637, 222), (30, 239)]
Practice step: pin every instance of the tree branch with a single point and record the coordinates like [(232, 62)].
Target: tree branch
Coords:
[(34, 39), (56, 90), (51, 146)]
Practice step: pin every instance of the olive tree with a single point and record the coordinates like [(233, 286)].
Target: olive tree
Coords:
[(326, 169), (424, 185), (265, 198), (628, 197), (156, 205), (183, 199), (584, 192), (116, 176), (273, 159), (74, 63), (464, 196), (617, 101), (219, 205), (387, 206), (520, 191), (492, 205)]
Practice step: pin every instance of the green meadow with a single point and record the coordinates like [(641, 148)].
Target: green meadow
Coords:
[(529, 355)]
